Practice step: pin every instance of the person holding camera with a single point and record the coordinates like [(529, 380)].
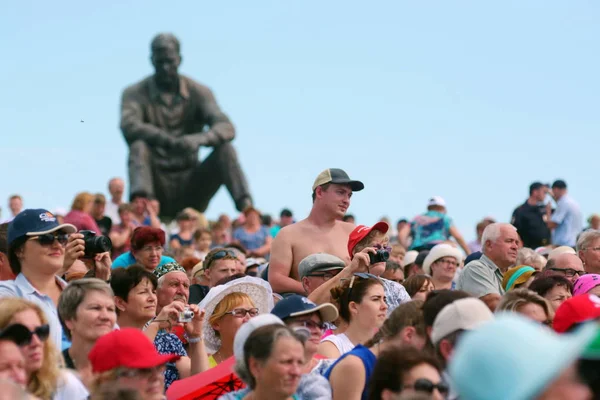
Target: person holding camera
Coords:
[(39, 250), (369, 250)]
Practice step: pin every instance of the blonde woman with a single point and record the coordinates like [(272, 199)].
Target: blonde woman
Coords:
[(45, 377), (228, 307), (528, 303), (80, 214)]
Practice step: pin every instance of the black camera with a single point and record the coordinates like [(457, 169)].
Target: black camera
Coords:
[(95, 244), (381, 256)]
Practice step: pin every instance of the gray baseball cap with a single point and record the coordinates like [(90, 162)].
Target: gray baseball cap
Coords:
[(319, 262)]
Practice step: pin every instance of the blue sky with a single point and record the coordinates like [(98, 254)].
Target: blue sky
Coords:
[(469, 100)]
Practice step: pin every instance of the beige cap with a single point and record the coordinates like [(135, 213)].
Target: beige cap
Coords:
[(464, 314)]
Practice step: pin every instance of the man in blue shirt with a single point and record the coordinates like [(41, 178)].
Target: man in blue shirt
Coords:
[(566, 221)]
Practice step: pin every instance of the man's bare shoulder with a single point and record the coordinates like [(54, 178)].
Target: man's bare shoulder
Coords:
[(346, 226)]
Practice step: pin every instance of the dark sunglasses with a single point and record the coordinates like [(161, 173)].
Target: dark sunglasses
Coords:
[(47, 239), (309, 324), (425, 385), (22, 336), (218, 255)]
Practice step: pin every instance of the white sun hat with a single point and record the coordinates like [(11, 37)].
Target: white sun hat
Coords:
[(257, 289), (439, 251)]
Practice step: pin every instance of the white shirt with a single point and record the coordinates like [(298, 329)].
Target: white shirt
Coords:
[(111, 210), (341, 342), (70, 387)]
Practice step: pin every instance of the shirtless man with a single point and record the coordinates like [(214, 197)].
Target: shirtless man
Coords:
[(322, 232)]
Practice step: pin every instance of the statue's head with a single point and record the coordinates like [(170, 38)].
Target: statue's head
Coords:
[(165, 57)]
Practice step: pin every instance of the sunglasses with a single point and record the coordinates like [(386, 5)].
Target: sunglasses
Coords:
[(218, 255), (425, 385), (309, 324), (241, 312), (47, 239), (22, 336)]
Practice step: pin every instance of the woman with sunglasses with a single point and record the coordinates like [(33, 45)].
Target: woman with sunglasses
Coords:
[(39, 249), (350, 374), (87, 312), (405, 371), (361, 304), (228, 307), (45, 378), (127, 358)]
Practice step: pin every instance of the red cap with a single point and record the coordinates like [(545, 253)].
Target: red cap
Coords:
[(128, 348), (361, 231), (576, 310)]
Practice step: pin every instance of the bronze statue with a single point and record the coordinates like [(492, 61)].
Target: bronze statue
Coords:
[(165, 118)]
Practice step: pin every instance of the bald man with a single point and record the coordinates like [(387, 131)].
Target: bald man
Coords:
[(165, 119), (568, 265)]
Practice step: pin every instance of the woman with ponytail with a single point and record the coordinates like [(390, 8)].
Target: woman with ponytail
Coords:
[(350, 374), (361, 304)]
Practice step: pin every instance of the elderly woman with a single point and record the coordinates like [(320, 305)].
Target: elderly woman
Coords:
[(526, 256), (228, 307), (441, 264), (87, 312), (253, 235), (80, 214), (556, 289), (588, 249), (45, 378), (126, 357), (519, 276), (136, 300), (361, 304), (402, 370), (527, 303), (418, 286), (146, 249), (270, 362)]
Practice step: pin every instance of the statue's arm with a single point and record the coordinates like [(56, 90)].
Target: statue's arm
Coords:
[(133, 125), (221, 130)]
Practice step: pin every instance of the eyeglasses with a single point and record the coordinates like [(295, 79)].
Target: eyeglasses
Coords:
[(241, 312), (47, 239), (22, 336), (382, 247), (310, 324), (448, 262), (425, 385), (217, 256), (592, 248), (570, 272), (142, 373)]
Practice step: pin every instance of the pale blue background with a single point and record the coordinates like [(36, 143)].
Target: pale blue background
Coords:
[(470, 100)]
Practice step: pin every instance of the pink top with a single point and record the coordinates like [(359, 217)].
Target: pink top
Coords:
[(82, 221)]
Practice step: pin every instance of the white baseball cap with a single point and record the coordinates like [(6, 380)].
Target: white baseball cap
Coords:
[(409, 258), (436, 201), (464, 314)]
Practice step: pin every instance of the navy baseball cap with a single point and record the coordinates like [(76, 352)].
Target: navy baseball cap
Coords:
[(34, 222), (296, 305)]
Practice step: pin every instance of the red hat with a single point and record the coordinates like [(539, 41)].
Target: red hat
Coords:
[(576, 310), (128, 348), (361, 231)]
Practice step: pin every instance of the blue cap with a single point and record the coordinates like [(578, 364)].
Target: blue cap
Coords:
[(296, 305), (34, 222), (525, 358)]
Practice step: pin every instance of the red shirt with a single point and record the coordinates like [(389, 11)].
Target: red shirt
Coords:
[(82, 221)]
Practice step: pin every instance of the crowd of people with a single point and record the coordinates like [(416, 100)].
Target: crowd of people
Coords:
[(106, 301)]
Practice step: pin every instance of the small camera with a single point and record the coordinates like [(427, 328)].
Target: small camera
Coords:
[(95, 244), (186, 315), (380, 256)]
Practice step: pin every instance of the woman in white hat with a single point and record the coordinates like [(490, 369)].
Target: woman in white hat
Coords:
[(441, 264), (229, 306)]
